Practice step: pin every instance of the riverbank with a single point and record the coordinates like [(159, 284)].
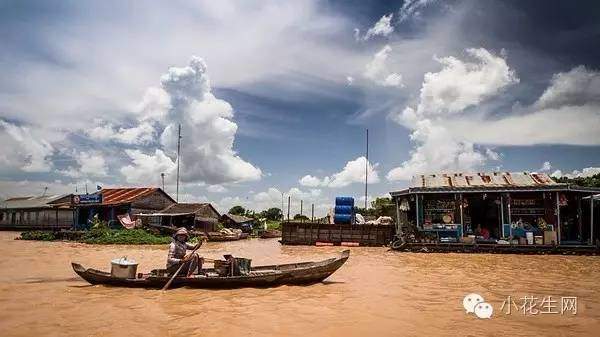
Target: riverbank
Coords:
[(99, 236)]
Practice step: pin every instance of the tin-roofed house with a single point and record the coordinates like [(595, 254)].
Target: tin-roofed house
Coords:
[(111, 203), (498, 207), (238, 221), (37, 212), (199, 216)]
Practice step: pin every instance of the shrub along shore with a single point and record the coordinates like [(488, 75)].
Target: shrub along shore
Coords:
[(108, 237), (101, 234)]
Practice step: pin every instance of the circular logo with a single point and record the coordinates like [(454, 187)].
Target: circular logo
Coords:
[(76, 199)]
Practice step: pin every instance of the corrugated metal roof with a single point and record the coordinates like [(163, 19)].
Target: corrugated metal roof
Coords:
[(30, 201), (482, 180), (203, 208), (111, 196), (238, 218)]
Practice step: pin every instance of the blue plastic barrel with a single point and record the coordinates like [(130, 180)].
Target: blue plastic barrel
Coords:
[(344, 209), (344, 201), (342, 218)]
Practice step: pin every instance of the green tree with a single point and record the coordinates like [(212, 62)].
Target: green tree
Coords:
[(272, 213), (237, 210), (300, 217), (592, 181)]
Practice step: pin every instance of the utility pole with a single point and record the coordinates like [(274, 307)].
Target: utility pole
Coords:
[(45, 190), (301, 206), (178, 160), (289, 201), (312, 212), (367, 171), (282, 206), (162, 176)]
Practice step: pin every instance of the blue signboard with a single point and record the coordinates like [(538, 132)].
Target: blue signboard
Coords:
[(95, 198)]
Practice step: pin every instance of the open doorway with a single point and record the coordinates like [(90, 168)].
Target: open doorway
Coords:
[(484, 213)]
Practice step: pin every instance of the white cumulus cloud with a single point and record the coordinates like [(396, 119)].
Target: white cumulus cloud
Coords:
[(353, 172), (208, 131), (376, 70), (383, 27), (459, 85)]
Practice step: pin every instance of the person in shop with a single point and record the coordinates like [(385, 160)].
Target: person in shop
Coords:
[(483, 232)]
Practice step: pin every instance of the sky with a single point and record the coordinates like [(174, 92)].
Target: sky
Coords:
[(274, 98)]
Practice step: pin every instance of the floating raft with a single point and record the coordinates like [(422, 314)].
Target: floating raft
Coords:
[(498, 249), (311, 233)]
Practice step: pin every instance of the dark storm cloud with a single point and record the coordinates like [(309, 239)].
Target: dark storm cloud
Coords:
[(566, 31)]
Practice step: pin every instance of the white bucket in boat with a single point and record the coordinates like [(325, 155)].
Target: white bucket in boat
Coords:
[(123, 268)]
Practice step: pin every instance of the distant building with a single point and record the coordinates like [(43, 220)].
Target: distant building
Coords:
[(199, 216), (490, 206), (238, 221), (109, 203), (41, 212)]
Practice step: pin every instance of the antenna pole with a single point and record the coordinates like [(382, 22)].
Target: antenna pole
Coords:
[(367, 171), (162, 176), (178, 161)]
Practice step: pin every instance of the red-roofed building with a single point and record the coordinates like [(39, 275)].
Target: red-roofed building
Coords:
[(108, 203)]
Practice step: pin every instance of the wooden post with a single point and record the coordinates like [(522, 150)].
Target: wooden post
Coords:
[(557, 219), (398, 225), (417, 208), (579, 217), (591, 219)]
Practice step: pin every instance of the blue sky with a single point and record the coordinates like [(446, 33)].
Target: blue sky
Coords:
[(275, 97)]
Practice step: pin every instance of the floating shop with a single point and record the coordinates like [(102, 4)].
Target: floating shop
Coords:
[(518, 211)]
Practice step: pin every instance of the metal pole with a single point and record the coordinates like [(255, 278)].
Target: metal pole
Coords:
[(162, 176), (312, 212), (178, 160), (289, 201), (367, 171), (281, 206), (301, 207)]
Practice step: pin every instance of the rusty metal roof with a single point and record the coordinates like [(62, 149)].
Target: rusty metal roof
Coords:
[(483, 179), (112, 196), (487, 182)]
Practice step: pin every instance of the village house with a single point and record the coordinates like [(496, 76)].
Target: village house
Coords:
[(110, 203), (238, 221), (498, 207), (199, 216), (37, 212)]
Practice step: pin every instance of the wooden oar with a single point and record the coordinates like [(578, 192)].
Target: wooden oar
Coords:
[(178, 270)]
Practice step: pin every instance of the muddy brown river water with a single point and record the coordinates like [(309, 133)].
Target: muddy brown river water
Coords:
[(376, 293)]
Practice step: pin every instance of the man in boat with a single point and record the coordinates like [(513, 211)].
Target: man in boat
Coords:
[(178, 254)]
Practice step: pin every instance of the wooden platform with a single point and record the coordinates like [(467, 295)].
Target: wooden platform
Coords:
[(309, 233), (499, 249)]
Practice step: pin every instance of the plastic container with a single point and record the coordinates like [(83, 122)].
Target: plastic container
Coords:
[(344, 201), (343, 209), (529, 237), (342, 218), (123, 268)]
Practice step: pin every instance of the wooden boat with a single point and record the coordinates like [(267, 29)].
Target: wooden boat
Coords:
[(302, 273), (272, 233)]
